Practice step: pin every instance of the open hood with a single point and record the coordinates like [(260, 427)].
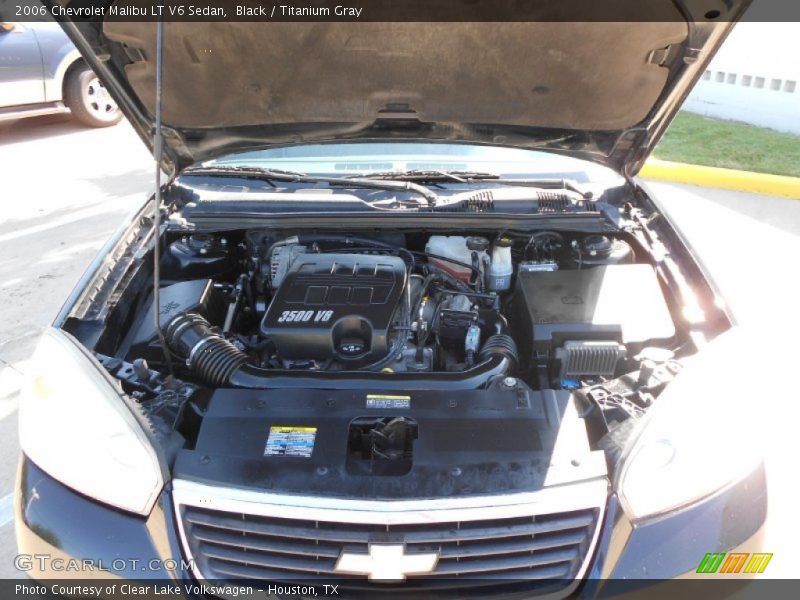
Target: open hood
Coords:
[(603, 91)]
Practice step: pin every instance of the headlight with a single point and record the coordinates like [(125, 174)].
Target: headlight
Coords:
[(701, 434), (75, 425)]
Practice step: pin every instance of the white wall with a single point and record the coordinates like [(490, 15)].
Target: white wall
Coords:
[(755, 78)]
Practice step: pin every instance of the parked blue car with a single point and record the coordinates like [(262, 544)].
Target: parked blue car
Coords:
[(42, 73)]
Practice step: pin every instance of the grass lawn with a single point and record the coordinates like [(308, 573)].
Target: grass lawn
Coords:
[(712, 142)]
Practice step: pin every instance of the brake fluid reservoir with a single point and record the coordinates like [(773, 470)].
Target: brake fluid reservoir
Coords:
[(501, 268)]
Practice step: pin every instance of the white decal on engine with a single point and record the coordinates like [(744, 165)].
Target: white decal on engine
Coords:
[(304, 316), (323, 316)]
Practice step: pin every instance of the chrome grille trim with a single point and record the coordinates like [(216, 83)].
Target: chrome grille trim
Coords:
[(545, 555)]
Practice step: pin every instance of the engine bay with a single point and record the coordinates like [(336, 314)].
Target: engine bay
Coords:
[(300, 359), (580, 309)]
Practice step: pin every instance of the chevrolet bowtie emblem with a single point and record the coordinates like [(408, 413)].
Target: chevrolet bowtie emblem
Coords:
[(386, 562)]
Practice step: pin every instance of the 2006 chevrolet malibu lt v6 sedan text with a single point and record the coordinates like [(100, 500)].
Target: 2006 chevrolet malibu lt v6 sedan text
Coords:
[(404, 321)]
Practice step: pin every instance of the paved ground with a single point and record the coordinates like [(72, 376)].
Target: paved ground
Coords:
[(66, 188)]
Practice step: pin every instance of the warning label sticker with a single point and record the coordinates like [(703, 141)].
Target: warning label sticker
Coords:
[(290, 441), (383, 401)]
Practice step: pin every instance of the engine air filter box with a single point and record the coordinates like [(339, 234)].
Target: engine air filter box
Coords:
[(196, 296)]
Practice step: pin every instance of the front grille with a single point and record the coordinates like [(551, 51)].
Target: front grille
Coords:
[(542, 552)]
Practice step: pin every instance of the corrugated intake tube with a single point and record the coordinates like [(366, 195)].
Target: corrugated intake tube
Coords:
[(221, 364)]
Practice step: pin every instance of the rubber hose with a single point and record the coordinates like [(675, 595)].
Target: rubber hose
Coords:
[(221, 364)]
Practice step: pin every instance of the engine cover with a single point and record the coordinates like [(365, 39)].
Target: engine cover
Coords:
[(336, 306)]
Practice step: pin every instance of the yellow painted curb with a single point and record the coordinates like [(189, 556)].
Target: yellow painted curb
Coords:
[(729, 179)]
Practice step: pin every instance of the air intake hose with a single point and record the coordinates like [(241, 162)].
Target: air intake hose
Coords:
[(221, 364), (500, 344), (206, 353)]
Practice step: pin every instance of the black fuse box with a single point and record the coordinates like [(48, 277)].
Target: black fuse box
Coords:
[(622, 303)]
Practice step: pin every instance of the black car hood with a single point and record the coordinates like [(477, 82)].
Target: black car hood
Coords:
[(599, 90)]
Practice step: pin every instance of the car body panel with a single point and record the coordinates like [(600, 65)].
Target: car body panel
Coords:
[(278, 104), (58, 55), (21, 71), (34, 61), (55, 521)]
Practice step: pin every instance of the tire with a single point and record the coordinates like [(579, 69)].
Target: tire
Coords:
[(88, 99)]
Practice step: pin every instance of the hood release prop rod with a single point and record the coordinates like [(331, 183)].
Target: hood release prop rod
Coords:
[(158, 150)]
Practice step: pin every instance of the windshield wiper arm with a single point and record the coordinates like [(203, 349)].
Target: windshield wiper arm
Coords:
[(475, 177), (547, 184), (295, 177), (430, 175)]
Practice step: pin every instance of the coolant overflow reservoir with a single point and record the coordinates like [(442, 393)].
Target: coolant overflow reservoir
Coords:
[(501, 269), (456, 247)]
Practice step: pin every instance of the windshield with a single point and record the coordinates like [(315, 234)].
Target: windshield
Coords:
[(365, 158)]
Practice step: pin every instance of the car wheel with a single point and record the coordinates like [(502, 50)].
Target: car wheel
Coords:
[(89, 100)]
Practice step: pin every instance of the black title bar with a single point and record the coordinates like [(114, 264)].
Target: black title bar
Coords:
[(399, 10)]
